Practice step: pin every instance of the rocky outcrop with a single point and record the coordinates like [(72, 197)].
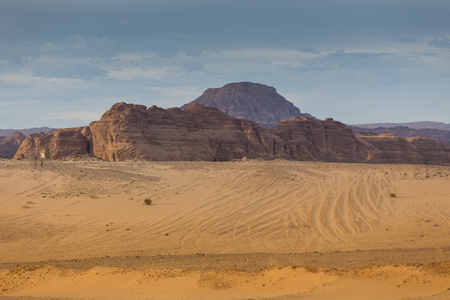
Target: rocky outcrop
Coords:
[(57, 144), (250, 101), (328, 140), (439, 135), (431, 151), (10, 144), (202, 133), (195, 133), (129, 131), (392, 149), (395, 149)]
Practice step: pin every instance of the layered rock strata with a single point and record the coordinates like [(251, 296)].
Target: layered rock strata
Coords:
[(129, 131), (10, 144), (57, 144)]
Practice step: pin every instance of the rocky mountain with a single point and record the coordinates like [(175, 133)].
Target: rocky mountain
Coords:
[(57, 144), (10, 144), (439, 135), (129, 131), (250, 101), (389, 148)]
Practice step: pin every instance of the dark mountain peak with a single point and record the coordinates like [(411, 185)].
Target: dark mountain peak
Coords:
[(250, 101)]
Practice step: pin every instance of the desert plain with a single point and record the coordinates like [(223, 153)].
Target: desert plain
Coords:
[(247, 229)]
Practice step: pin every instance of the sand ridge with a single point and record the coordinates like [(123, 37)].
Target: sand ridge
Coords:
[(89, 209)]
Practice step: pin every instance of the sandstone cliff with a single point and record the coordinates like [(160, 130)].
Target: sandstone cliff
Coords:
[(195, 133), (328, 140), (10, 144), (439, 135), (129, 131), (57, 144), (395, 149), (431, 151), (250, 101)]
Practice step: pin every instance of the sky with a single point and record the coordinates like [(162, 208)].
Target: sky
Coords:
[(63, 63)]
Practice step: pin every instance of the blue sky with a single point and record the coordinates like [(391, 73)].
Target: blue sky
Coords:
[(64, 62)]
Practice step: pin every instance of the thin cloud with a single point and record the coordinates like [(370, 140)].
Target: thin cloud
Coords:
[(442, 42), (27, 78), (144, 73), (82, 115)]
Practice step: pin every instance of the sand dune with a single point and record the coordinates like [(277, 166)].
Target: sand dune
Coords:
[(84, 227)]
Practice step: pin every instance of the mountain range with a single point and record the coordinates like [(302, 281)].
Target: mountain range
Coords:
[(196, 132), (412, 125)]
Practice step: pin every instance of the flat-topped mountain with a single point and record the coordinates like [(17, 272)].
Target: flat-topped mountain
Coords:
[(250, 101), (129, 131)]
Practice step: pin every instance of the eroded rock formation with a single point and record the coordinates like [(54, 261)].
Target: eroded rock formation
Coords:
[(57, 144), (129, 131), (195, 133), (10, 144)]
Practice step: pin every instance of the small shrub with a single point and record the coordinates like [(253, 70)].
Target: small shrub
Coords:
[(392, 195), (147, 201), (311, 269)]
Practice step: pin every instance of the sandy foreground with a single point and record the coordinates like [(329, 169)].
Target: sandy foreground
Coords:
[(235, 230)]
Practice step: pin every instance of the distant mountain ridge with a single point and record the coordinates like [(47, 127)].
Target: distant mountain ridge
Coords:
[(413, 125), (26, 132), (250, 101)]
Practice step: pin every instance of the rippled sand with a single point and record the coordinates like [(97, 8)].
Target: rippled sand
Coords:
[(233, 230)]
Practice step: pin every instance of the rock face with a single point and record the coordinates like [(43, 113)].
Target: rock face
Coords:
[(129, 131), (250, 101), (57, 144), (439, 135), (10, 144), (195, 133), (431, 151), (389, 148), (328, 140)]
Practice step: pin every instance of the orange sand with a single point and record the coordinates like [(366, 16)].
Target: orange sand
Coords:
[(79, 229)]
